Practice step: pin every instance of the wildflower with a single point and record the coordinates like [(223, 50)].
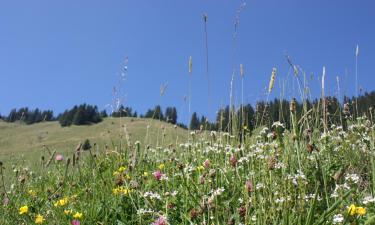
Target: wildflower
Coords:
[(145, 174), (338, 218), (32, 193), (121, 169), (233, 160), (200, 168), (67, 211), (39, 219), (157, 174), (61, 202), (59, 157), (160, 221), (24, 210), (242, 211), (249, 186), (161, 166), (360, 211), (206, 163), (120, 191), (78, 215), (76, 222), (5, 201), (368, 199), (352, 210), (352, 177)]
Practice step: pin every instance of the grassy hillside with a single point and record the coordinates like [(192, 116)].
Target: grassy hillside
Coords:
[(19, 141)]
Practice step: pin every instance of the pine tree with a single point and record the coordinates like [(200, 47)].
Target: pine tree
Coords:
[(194, 122)]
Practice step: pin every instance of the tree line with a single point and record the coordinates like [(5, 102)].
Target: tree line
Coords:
[(28, 116), (227, 118)]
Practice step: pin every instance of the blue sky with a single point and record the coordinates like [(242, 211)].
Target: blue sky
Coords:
[(55, 54)]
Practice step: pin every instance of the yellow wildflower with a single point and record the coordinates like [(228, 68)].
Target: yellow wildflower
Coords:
[(61, 202), (145, 174), (161, 166), (352, 210), (67, 211), (116, 173), (121, 169), (24, 210), (361, 211), (120, 191), (200, 168), (32, 193), (39, 219), (78, 215)]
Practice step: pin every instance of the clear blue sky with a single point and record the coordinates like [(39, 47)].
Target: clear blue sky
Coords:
[(55, 54)]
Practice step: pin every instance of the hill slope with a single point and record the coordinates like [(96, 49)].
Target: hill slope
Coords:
[(26, 141)]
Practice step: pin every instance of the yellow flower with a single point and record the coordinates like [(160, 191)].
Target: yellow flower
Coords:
[(78, 215), (39, 219), (61, 202), (161, 166), (145, 174), (200, 168), (121, 169), (24, 210), (67, 211), (361, 211), (352, 210), (120, 191), (32, 193), (116, 173)]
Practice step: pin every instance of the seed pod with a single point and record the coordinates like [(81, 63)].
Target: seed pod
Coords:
[(272, 80), (241, 71), (292, 106), (194, 214), (190, 64), (271, 163)]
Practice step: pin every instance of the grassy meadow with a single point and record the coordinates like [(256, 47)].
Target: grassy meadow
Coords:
[(24, 145), (316, 169), (274, 176)]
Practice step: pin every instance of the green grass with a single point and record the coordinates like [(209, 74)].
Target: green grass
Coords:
[(24, 144), (274, 177)]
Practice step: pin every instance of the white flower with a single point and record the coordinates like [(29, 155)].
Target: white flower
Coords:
[(352, 177), (254, 218), (338, 218), (368, 199), (151, 195), (278, 124), (259, 186)]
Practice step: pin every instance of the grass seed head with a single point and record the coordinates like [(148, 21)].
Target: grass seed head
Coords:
[(272, 80)]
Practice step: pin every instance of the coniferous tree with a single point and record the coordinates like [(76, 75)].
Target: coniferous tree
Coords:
[(194, 122)]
